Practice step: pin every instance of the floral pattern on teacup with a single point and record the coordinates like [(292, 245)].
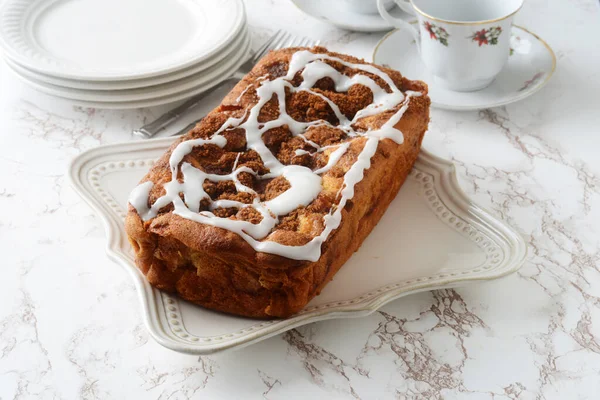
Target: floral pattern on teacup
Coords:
[(487, 36), (437, 33)]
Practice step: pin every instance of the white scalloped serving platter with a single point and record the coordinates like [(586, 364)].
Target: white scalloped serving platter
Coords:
[(432, 236)]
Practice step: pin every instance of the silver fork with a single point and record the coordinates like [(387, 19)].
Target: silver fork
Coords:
[(278, 41)]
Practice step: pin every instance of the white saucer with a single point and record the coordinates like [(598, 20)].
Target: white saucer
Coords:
[(528, 69), (115, 39), (336, 13)]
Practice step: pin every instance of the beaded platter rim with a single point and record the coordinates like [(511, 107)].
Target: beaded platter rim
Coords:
[(505, 250)]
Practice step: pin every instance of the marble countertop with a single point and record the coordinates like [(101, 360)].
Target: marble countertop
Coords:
[(70, 323)]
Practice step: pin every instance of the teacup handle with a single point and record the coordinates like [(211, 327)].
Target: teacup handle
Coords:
[(406, 6)]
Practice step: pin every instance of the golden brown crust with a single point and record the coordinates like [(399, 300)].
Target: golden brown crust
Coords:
[(217, 268)]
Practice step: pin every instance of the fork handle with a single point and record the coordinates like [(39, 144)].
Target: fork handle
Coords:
[(152, 128)]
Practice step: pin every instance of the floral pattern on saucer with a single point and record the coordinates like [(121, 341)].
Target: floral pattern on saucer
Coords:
[(531, 81), (437, 33), (487, 36)]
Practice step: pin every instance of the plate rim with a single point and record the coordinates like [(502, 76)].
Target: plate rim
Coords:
[(16, 56), (152, 102), (523, 96), (237, 44), (201, 79), (150, 297)]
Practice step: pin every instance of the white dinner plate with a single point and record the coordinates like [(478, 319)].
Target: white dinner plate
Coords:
[(115, 39), (230, 51), (161, 100), (432, 236), (203, 78), (529, 67), (335, 12)]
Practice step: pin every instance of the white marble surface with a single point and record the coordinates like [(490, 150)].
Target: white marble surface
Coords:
[(70, 324)]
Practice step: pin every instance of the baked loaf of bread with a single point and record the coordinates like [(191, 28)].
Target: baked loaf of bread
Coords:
[(255, 209)]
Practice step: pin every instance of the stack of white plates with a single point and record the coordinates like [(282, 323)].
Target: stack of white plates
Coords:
[(123, 53)]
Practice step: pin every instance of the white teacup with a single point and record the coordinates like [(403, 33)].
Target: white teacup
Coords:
[(463, 43)]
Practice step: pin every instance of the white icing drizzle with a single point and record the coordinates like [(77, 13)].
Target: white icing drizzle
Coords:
[(334, 157), (250, 86), (139, 199), (300, 152), (305, 184)]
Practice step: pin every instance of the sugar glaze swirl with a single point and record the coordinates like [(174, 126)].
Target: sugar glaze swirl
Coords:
[(305, 184)]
